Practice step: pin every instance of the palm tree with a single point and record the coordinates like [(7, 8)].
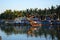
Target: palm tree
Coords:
[(52, 11), (58, 11)]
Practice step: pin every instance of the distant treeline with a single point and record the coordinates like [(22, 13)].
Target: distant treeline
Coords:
[(9, 14)]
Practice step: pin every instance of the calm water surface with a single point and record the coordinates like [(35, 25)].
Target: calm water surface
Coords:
[(49, 32)]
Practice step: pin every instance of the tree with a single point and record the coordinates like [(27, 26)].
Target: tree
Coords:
[(58, 11)]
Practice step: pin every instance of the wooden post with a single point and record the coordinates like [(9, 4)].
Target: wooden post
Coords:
[(0, 38)]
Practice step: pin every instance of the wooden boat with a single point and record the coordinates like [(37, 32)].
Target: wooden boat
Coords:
[(35, 23)]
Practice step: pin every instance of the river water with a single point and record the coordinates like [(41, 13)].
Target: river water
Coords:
[(45, 32)]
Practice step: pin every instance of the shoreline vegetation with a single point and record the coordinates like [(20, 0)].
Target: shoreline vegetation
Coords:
[(35, 17), (53, 12)]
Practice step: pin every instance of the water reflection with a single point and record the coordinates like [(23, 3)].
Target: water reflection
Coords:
[(49, 32)]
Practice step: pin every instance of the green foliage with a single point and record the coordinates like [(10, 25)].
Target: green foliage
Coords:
[(9, 14)]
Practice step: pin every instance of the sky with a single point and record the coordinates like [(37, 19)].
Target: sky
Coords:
[(25, 4)]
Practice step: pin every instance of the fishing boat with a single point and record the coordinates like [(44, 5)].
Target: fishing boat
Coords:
[(35, 23)]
